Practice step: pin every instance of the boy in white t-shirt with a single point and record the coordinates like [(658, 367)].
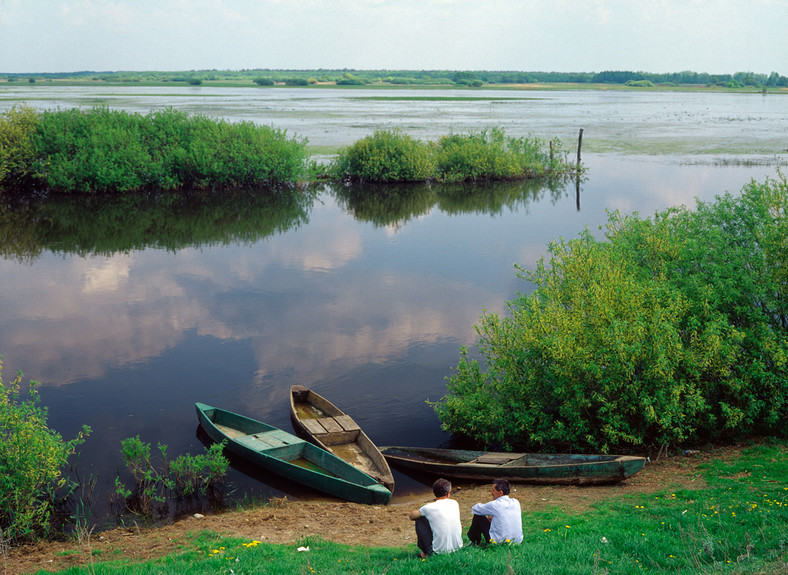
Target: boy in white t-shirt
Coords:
[(500, 520), (438, 527)]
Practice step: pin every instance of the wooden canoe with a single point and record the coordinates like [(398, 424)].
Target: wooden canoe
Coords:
[(289, 456), (330, 428), (567, 469)]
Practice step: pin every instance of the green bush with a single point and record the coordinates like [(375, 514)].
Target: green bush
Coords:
[(640, 83), (31, 459), (17, 126), (386, 156), (489, 155), (264, 81), (391, 156), (109, 150), (672, 330), (157, 480)]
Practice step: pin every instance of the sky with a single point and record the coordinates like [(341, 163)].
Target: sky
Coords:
[(714, 36)]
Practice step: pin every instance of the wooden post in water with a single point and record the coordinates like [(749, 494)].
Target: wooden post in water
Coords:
[(551, 152), (577, 174)]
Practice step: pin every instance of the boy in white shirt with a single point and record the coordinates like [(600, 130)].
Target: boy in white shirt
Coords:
[(500, 520), (438, 527)]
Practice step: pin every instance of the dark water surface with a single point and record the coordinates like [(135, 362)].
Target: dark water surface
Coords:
[(129, 314)]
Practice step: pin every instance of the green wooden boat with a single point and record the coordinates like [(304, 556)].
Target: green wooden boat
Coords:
[(289, 456), (566, 469), (332, 429)]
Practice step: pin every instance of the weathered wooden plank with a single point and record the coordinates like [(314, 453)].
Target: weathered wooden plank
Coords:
[(494, 459), (313, 426), (330, 424), (347, 423)]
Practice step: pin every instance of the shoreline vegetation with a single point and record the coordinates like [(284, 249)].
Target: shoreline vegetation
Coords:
[(610, 79), (101, 150)]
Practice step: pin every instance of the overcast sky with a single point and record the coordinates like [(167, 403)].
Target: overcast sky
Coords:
[(715, 36)]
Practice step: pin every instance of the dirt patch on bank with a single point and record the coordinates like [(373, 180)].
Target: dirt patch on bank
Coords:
[(287, 521)]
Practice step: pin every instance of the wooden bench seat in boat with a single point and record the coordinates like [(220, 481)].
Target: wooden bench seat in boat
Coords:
[(324, 425), (268, 440), (496, 459)]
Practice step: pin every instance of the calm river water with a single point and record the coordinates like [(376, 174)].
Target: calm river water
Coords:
[(129, 317)]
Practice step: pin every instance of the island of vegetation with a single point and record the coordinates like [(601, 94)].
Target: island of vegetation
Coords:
[(107, 151)]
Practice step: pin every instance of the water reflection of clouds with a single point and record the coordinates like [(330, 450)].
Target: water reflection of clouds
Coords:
[(106, 275), (98, 314)]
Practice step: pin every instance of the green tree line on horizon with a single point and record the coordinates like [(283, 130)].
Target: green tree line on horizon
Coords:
[(349, 76)]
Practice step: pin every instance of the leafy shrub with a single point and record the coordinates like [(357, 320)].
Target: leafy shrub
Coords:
[(264, 81), (31, 459), (296, 82), (17, 126), (111, 150), (386, 156), (673, 330), (391, 156), (155, 481), (639, 83), (489, 155)]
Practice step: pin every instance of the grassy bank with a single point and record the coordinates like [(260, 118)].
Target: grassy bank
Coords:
[(735, 523)]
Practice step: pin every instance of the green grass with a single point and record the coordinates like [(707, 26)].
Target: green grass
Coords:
[(735, 524)]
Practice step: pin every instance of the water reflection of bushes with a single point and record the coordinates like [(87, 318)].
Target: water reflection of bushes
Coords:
[(105, 225), (396, 204), (384, 204), (494, 197)]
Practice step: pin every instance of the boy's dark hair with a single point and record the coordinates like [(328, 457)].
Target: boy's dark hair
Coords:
[(441, 487), (502, 485)]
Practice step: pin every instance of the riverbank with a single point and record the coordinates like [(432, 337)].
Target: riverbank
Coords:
[(287, 522)]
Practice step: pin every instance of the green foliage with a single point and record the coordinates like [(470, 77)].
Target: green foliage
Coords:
[(17, 126), (156, 480), (264, 81), (494, 156), (110, 150), (386, 156), (422, 77), (32, 457), (672, 330), (639, 83), (391, 156)]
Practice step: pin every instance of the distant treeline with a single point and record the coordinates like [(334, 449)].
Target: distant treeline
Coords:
[(271, 77)]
